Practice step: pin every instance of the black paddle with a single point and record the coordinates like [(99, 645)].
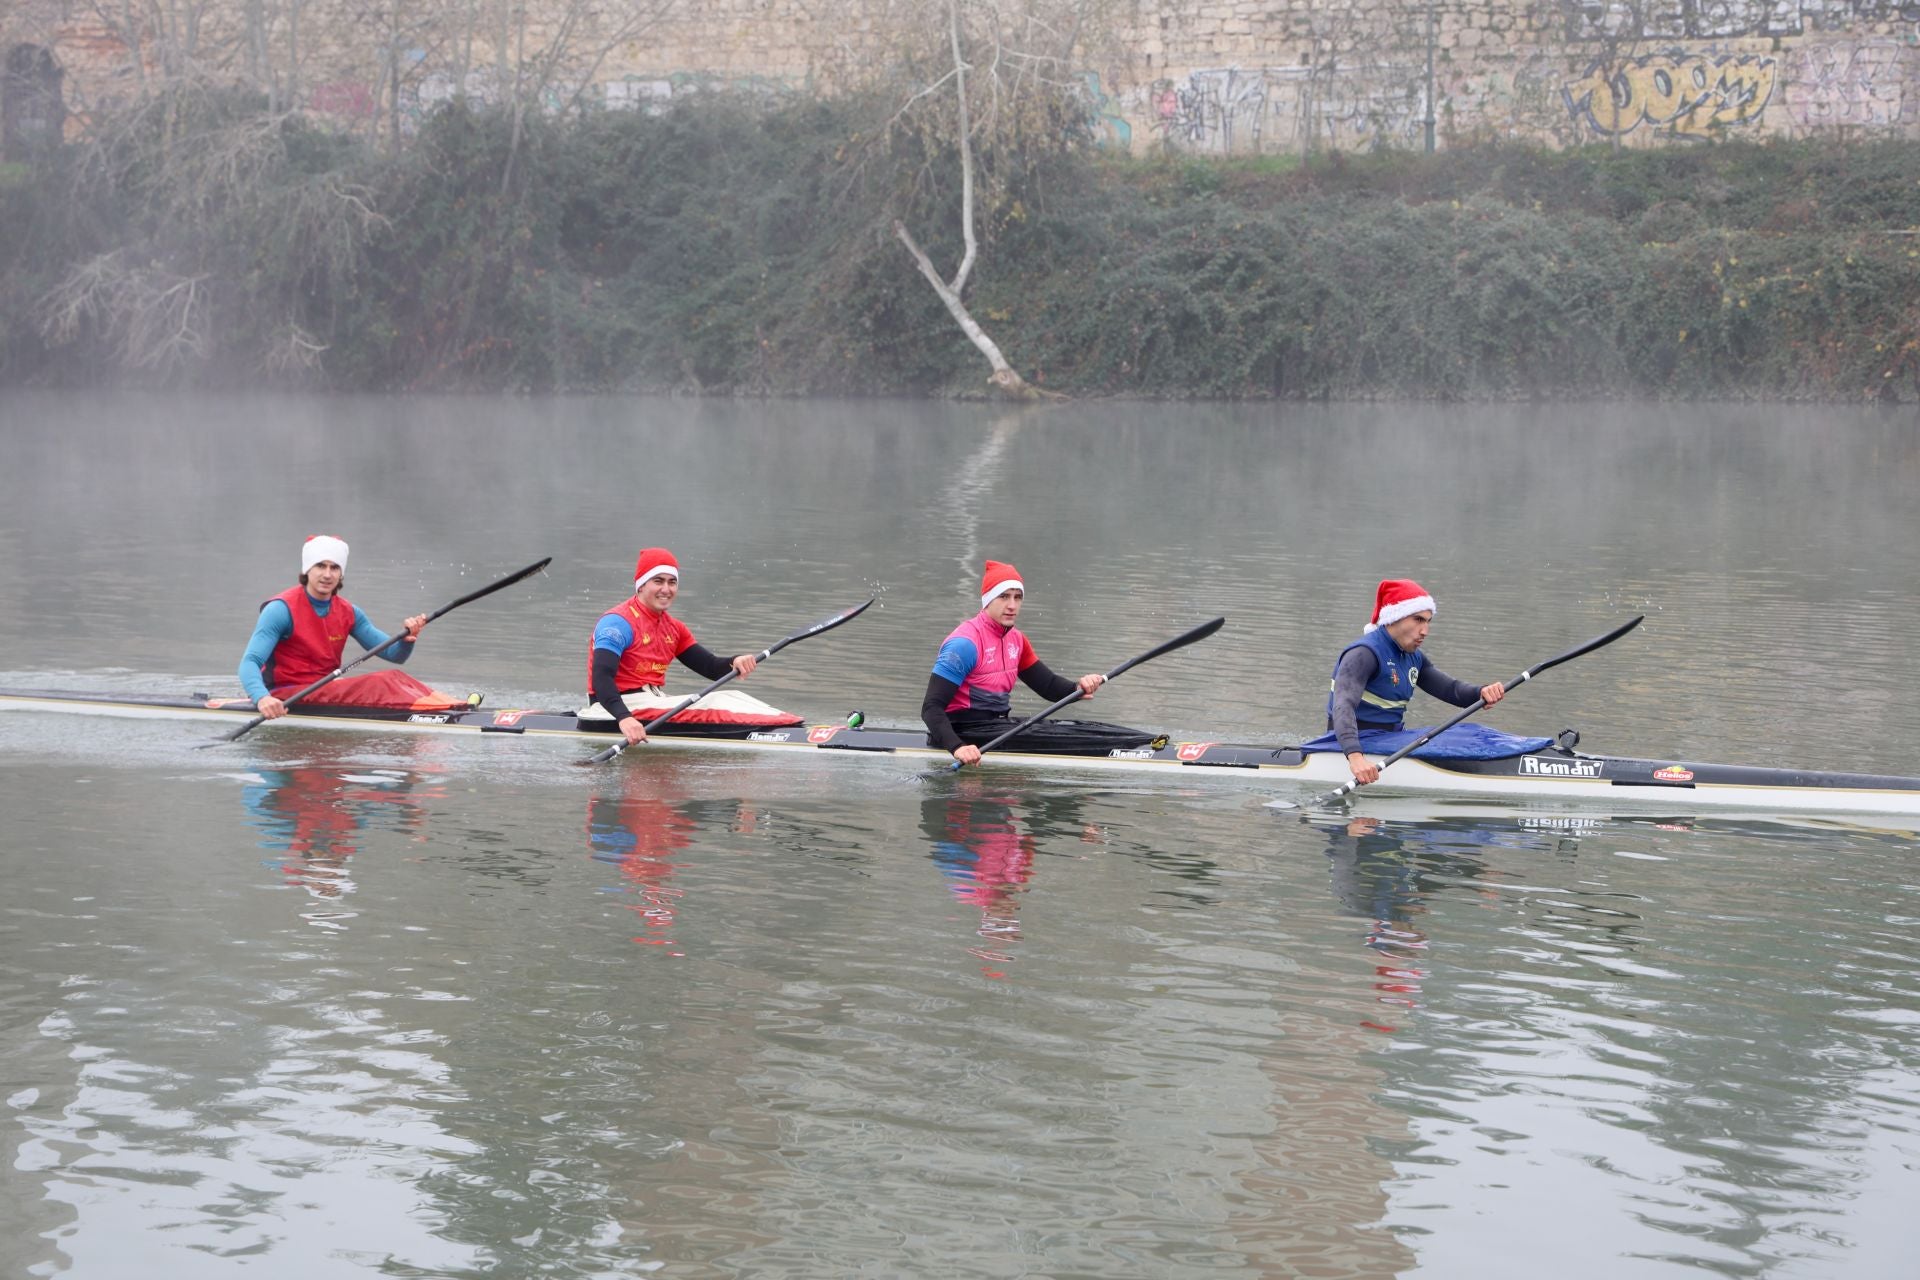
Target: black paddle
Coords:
[(1478, 703), (1200, 632), (469, 598), (825, 624)]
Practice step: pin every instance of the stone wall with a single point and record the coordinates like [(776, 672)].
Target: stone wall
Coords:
[(1206, 76)]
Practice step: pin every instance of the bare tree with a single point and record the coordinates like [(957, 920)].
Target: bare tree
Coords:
[(1007, 71)]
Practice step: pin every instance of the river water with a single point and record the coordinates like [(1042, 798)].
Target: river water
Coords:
[(332, 1004)]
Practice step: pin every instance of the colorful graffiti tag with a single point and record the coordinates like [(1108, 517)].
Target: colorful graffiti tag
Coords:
[(1688, 94)]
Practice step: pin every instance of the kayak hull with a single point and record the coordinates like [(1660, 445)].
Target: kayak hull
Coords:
[(1552, 774)]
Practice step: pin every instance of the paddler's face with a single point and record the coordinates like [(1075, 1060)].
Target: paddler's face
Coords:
[(1005, 607), (324, 579), (658, 591), (1410, 632)]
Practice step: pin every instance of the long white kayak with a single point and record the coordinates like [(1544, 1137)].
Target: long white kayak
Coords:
[(1556, 774)]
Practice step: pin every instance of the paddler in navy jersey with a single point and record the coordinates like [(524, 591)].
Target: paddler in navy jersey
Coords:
[(1375, 676), (633, 644), (302, 633), (972, 682)]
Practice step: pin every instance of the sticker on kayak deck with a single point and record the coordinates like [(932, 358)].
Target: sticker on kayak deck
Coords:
[(823, 732), (1130, 753), (1673, 773), (771, 737), (420, 719), (1534, 766), (1194, 750), (507, 717)]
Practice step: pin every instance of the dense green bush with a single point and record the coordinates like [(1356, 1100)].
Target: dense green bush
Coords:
[(745, 249)]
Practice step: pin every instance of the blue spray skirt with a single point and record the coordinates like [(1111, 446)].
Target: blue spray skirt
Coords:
[(1466, 741)]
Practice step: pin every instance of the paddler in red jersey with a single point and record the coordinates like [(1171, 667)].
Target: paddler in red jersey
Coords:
[(969, 694), (1375, 676), (633, 645), (302, 634)]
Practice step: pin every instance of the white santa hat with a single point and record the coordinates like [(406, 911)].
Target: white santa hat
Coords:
[(322, 546), (652, 562), (1398, 598), (997, 580)]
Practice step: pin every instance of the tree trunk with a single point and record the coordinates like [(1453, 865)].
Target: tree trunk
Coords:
[(1006, 379)]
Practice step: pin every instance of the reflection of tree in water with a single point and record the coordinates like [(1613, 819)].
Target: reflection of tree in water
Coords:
[(310, 815), (642, 829), (985, 846)]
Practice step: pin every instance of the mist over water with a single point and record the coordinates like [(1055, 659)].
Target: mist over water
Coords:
[(342, 1004)]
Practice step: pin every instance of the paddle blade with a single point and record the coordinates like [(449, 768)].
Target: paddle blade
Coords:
[(516, 576), (1588, 647), (825, 624), (1200, 632)]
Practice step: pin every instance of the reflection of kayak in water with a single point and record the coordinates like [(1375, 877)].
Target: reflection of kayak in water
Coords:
[(1403, 813), (1465, 761)]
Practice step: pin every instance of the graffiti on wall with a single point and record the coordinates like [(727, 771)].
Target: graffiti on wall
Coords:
[(655, 93), (1229, 110), (1843, 84), (1604, 20), (1689, 94), (1110, 128)]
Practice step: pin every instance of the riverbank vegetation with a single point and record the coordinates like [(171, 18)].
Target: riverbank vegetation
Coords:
[(733, 249)]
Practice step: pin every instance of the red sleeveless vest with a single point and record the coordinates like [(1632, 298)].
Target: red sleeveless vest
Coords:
[(315, 647)]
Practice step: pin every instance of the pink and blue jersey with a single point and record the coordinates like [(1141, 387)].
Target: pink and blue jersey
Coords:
[(983, 659)]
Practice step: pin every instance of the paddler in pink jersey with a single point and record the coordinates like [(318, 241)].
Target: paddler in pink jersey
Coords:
[(970, 693)]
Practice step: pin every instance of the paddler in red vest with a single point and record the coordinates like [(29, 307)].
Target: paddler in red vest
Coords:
[(1374, 676), (302, 634), (970, 693), (633, 644)]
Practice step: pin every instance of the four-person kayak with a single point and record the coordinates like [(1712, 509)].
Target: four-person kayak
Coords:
[(1518, 769)]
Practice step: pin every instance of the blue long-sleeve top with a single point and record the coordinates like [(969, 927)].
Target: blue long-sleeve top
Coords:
[(276, 624)]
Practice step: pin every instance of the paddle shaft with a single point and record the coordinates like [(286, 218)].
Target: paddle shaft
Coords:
[(339, 671), (825, 624), (1200, 632), (1478, 703)]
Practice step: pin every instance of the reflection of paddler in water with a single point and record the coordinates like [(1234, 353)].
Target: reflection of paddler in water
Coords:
[(641, 830), (311, 815), (986, 850), (1384, 872)]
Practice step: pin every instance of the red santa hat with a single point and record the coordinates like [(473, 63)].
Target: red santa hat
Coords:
[(1398, 598), (997, 581), (322, 546), (654, 561)]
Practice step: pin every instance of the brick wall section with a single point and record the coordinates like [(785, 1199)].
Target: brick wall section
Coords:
[(1207, 76)]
